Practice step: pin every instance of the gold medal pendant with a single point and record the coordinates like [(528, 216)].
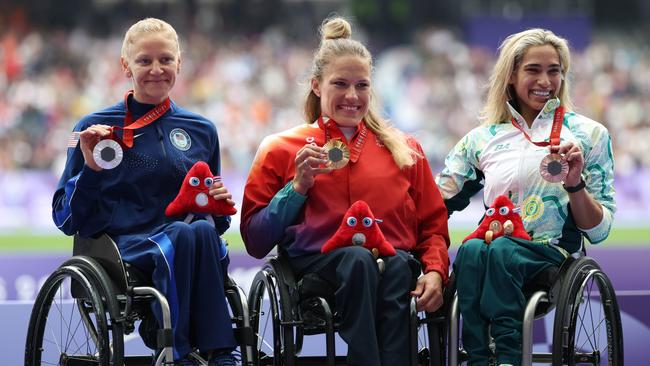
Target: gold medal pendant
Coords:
[(338, 154), (553, 168)]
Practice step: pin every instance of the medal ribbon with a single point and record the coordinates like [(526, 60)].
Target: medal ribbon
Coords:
[(355, 151), (554, 139), (130, 125)]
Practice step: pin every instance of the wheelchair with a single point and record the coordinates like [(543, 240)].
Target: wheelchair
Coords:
[(91, 302), (284, 309), (587, 322)]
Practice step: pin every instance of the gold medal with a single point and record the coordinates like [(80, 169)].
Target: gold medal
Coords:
[(553, 168), (338, 154)]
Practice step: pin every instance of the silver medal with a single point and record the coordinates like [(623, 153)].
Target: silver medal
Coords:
[(108, 154)]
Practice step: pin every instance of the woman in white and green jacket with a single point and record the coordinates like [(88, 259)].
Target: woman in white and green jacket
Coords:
[(562, 198)]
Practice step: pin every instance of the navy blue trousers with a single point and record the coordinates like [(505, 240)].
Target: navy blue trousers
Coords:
[(188, 264), (374, 307)]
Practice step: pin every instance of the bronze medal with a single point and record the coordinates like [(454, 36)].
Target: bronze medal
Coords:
[(553, 168), (338, 154), (495, 226)]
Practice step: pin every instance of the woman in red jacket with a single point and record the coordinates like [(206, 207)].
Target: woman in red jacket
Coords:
[(295, 197)]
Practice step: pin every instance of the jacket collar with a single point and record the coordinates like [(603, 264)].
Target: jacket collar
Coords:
[(546, 114)]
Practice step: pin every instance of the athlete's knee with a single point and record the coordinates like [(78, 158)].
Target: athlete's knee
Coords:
[(358, 260), (501, 246), (400, 268), (203, 229), (182, 231), (471, 249)]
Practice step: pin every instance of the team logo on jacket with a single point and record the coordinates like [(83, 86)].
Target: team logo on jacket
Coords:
[(180, 139), (533, 208)]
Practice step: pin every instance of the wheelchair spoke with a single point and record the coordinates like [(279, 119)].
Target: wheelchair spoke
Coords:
[(593, 335), (592, 323)]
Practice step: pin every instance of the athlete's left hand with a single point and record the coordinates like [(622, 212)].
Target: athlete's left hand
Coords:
[(428, 290), (219, 192), (572, 154)]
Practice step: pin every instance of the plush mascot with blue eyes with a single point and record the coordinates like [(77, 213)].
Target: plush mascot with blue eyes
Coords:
[(501, 219), (194, 198), (359, 227)]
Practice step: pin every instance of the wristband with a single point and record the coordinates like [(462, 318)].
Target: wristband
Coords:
[(575, 189)]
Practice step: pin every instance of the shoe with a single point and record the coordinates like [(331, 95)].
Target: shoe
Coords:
[(223, 359)]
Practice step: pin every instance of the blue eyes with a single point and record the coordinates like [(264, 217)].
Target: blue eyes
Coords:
[(366, 221), (194, 181), (502, 211)]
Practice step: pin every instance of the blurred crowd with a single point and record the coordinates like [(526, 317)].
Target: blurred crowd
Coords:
[(432, 87)]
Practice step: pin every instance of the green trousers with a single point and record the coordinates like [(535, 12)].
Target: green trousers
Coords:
[(489, 281)]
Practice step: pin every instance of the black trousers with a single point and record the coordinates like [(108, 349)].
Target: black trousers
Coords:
[(374, 307)]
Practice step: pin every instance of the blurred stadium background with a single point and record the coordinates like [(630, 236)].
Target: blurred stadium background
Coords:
[(244, 67)]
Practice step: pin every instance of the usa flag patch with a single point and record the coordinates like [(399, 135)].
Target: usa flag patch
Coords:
[(73, 140)]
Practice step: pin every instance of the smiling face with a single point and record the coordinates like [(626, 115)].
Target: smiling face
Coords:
[(344, 90), (537, 79), (152, 63)]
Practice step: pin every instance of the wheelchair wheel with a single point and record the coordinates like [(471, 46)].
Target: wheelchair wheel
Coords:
[(69, 324), (587, 327), (271, 337)]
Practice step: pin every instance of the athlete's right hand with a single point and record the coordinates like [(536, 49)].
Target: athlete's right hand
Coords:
[(310, 161), (88, 139)]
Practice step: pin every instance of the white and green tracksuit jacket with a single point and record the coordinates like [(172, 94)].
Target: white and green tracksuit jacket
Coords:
[(498, 159)]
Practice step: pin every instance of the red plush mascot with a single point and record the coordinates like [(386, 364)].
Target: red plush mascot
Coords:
[(193, 197), (359, 227), (502, 218)]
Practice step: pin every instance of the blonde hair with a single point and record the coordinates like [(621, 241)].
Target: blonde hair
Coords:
[(335, 42), (148, 26), (511, 53)]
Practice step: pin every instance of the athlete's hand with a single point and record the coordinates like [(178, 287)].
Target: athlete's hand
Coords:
[(572, 154), (428, 290), (218, 191), (88, 139), (310, 161)]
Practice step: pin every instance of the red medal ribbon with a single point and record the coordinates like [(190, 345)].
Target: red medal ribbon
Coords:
[(554, 139), (130, 125), (360, 140)]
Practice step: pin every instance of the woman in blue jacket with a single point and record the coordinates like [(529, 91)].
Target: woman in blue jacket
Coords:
[(122, 186)]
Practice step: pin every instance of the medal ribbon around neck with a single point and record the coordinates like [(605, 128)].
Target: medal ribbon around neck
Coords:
[(552, 168), (554, 139), (130, 125), (108, 152), (356, 147)]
